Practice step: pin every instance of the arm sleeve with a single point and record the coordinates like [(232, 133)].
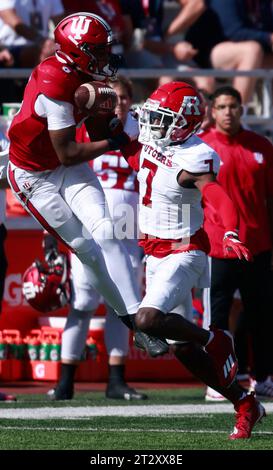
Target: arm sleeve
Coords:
[(59, 114), (214, 195), (131, 153)]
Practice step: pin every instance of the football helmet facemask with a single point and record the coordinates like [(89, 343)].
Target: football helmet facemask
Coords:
[(85, 40), (46, 286), (171, 114)]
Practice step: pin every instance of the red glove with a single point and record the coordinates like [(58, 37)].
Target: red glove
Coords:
[(232, 243)]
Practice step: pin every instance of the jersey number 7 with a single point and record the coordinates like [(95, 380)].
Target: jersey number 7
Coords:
[(146, 200)]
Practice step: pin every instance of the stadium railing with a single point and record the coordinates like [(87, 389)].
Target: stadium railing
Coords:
[(263, 117)]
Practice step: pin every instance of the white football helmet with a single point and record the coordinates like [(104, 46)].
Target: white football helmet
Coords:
[(171, 114)]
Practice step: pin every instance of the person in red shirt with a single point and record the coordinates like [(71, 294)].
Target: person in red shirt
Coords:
[(119, 183), (246, 173), (48, 170)]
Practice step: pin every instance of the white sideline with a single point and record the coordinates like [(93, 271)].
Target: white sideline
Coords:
[(70, 412), (115, 430)]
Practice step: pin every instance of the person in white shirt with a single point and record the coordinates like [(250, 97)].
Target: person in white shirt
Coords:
[(24, 29)]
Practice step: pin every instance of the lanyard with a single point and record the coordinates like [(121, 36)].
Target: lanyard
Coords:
[(146, 7)]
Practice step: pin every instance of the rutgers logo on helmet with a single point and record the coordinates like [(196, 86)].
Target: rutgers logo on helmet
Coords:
[(171, 114), (46, 285), (85, 40)]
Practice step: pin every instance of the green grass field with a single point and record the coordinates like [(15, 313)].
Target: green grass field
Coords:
[(171, 419)]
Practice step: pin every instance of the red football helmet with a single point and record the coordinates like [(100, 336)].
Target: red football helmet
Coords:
[(46, 285), (85, 39), (171, 114)]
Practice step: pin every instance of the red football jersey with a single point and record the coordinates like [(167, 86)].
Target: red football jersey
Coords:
[(111, 168), (246, 173), (30, 144)]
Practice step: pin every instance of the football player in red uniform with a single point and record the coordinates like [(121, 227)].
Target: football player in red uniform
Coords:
[(119, 182), (48, 170), (246, 174)]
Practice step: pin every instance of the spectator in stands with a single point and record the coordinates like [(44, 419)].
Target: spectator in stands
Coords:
[(6, 58), (121, 189), (4, 144), (228, 35), (110, 10), (24, 29), (207, 120), (246, 174), (151, 48), (190, 11)]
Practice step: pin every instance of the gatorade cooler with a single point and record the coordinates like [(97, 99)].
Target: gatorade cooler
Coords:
[(47, 367), (4, 363), (15, 354), (33, 343)]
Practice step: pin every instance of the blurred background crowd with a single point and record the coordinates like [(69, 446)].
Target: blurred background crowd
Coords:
[(208, 43)]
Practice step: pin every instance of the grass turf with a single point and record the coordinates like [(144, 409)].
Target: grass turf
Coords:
[(179, 432)]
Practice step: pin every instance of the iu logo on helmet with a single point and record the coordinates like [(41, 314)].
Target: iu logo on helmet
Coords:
[(79, 27), (190, 106)]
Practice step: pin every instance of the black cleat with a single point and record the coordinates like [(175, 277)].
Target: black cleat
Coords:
[(152, 345), (60, 394), (124, 392), (7, 397)]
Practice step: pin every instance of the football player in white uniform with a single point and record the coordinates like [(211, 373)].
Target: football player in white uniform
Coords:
[(120, 186), (176, 173)]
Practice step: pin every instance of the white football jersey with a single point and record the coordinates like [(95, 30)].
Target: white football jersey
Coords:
[(168, 210)]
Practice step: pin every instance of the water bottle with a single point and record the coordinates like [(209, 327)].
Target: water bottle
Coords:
[(33, 349), (92, 350), (3, 348), (45, 349)]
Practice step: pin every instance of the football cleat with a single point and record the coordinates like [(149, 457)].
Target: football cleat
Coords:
[(221, 350), (60, 394), (124, 392), (7, 397), (153, 346), (249, 412)]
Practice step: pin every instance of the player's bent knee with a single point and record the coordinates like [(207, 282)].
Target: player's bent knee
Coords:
[(80, 245), (146, 318), (104, 234)]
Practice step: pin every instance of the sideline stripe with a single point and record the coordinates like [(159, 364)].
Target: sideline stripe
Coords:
[(116, 430), (123, 411)]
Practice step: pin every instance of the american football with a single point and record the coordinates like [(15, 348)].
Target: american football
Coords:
[(95, 98)]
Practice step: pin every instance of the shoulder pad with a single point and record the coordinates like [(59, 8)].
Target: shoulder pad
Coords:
[(56, 80)]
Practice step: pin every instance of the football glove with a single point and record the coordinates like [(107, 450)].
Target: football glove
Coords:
[(118, 138), (231, 243)]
